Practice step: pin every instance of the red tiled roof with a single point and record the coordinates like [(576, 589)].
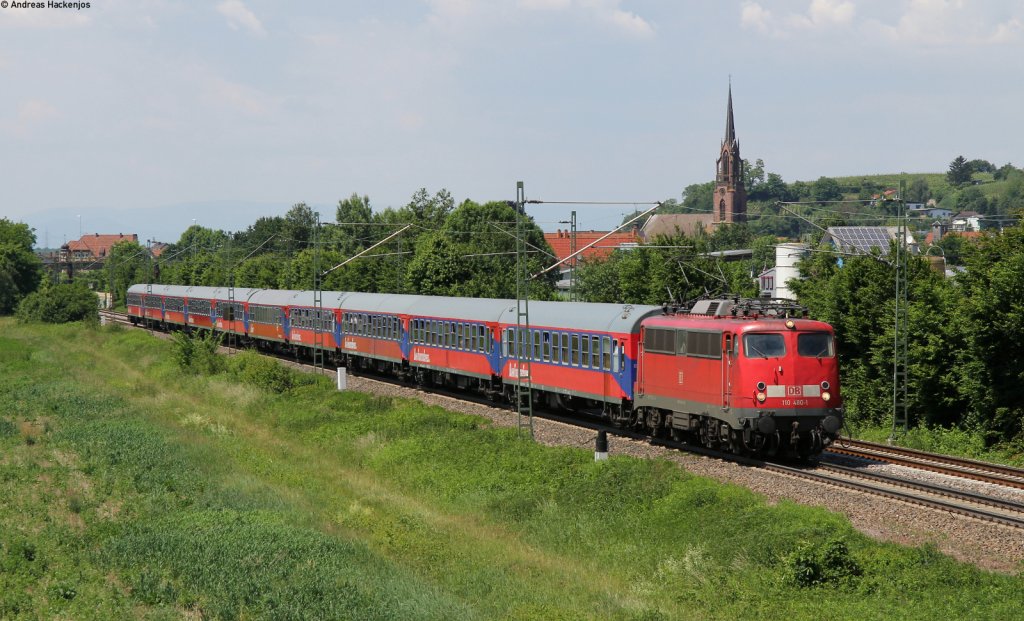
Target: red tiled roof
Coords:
[(99, 245), (561, 242)]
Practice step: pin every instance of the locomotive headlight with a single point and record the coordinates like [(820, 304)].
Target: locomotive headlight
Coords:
[(761, 397), (825, 396), (790, 324), (825, 385), (760, 387)]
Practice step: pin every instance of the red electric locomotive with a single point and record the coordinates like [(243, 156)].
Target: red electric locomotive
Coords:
[(750, 375)]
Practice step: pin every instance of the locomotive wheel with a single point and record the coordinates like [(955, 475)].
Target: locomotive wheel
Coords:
[(653, 422), (705, 434)]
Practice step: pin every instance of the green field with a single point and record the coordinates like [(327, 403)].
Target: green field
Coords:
[(132, 489)]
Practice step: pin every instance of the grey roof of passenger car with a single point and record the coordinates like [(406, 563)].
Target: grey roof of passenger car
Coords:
[(585, 316)]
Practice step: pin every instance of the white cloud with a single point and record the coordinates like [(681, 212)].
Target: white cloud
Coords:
[(544, 5), (944, 22), (239, 16), (628, 23), (451, 14), (820, 15), (755, 16)]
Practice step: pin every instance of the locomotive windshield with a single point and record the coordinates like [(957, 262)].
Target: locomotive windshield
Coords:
[(815, 345), (764, 345)]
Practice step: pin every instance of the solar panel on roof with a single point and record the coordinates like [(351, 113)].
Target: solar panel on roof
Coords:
[(862, 238)]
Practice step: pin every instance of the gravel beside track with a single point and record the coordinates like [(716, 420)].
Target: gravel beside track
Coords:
[(989, 546)]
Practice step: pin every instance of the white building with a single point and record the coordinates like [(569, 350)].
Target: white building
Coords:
[(775, 281)]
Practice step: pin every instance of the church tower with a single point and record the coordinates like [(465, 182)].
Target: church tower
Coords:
[(730, 195)]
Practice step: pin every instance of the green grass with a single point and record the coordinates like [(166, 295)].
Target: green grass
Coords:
[(152, 493)]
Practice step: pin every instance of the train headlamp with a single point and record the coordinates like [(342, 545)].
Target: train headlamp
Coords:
[(761, 397), (790, 324), (825, 385), (760, 386), (826, 396)]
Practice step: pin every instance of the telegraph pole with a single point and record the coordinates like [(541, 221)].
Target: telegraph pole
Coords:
[(523, 344), (318, 302), (900, 421)]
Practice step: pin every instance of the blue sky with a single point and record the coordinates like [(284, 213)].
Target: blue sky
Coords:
[(142, 115)]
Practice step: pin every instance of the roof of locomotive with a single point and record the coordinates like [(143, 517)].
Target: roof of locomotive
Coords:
[(735, 324)]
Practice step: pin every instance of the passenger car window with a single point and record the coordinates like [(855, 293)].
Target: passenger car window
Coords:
[(764, 345), (815, 345)]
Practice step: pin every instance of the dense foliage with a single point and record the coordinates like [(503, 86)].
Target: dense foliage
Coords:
[(965, 341), (20, 268), (444, 250), (60, 303)]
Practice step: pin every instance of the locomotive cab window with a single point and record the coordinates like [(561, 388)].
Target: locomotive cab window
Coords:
[(764, 345), (815, 345)]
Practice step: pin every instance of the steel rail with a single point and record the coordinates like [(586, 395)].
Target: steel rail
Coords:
[(942, 464)]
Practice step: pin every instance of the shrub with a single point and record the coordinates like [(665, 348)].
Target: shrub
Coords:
[(60, 304), (263, 372), (828, 564), (196, 352)]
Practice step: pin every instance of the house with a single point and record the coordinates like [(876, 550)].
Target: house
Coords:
[(95, 247), (561, 243), (865, 239), (928, 211), (966, 221)]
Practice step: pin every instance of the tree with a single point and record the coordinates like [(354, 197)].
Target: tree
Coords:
[(918, 192), (982, 166), (988, 371), (354, 230), (826, 189), (959, 172), (1004, 171), (753, 175), (473, 255), (298, 226), (973, 199), (858, 300), (697, 198), (129, 263), (60, 303), (20, 268)]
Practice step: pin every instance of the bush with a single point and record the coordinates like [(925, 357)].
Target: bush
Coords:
[(60, 304), (257, 370), (828, 564), (196, 352)]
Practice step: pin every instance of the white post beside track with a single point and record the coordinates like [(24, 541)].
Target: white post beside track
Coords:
[(342, 378), (601, 446)]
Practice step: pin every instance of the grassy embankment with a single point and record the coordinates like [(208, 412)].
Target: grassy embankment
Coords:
[(131, 489), (937, 182)]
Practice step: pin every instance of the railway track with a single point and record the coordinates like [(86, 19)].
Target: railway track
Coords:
[(997, 474), (936, 497), (109, 317)]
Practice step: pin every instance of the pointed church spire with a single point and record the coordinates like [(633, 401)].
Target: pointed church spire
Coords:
[(730, 130)]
